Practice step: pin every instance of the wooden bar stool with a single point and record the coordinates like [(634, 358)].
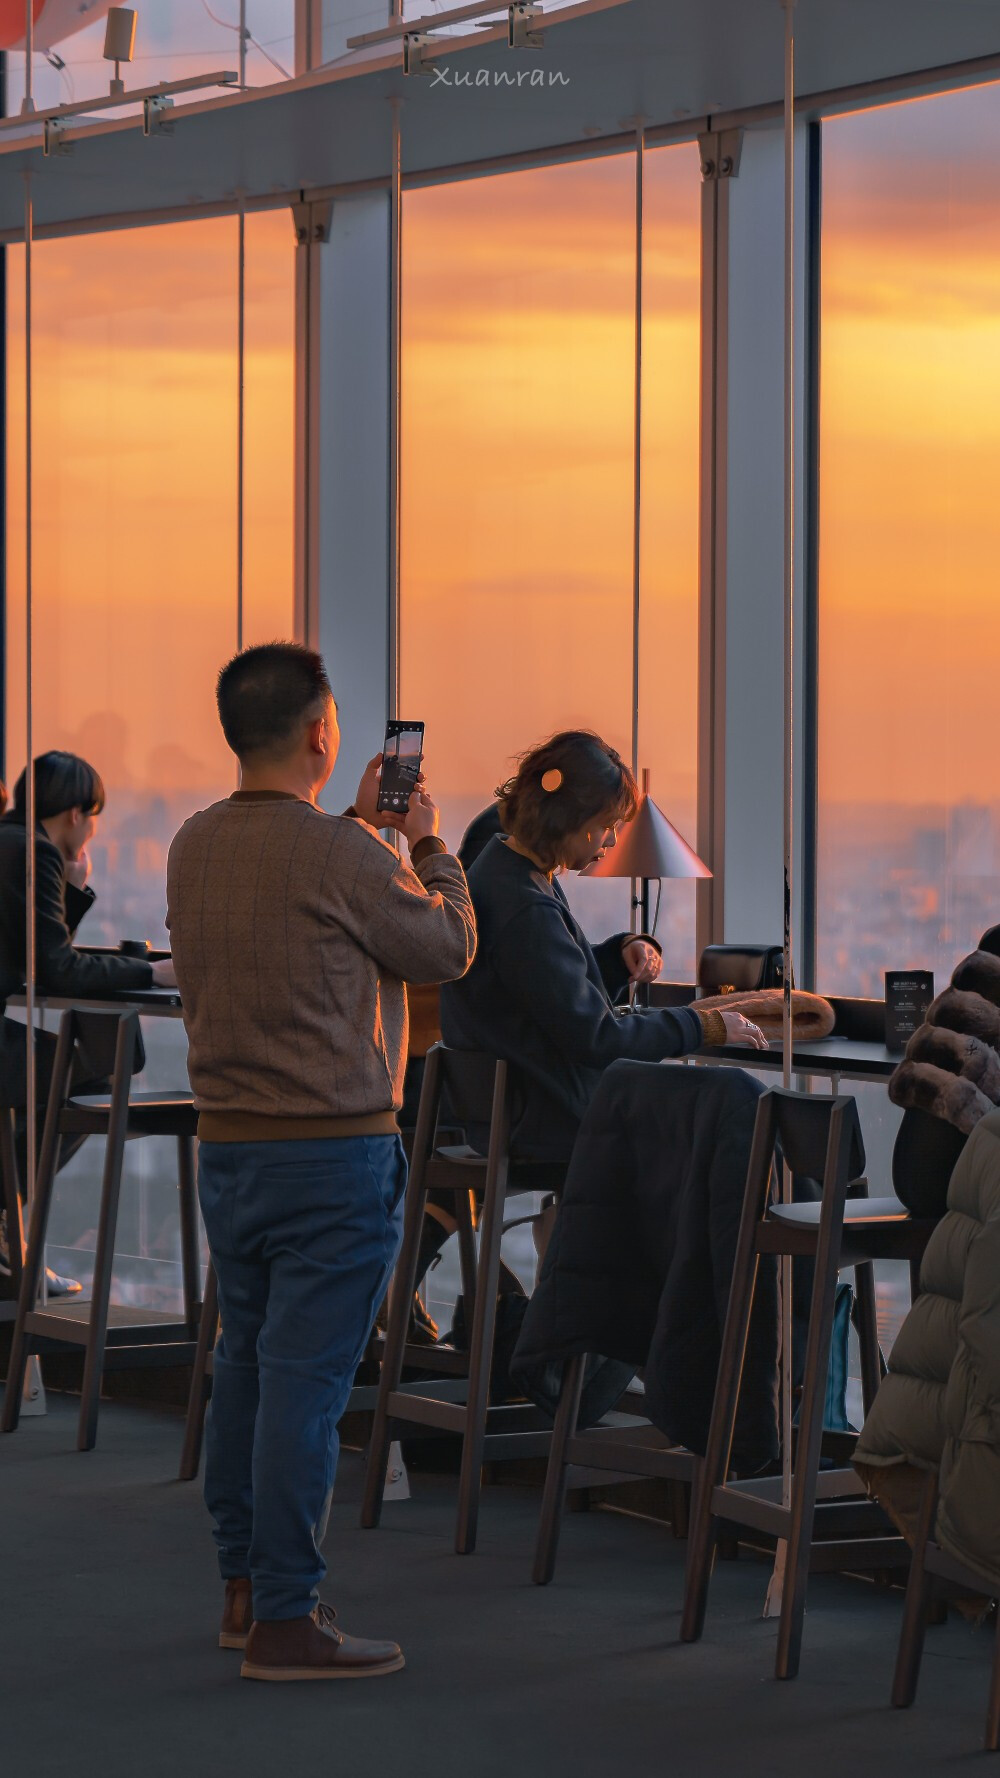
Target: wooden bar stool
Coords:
[(818, 1138), (477, 1088), (110, 1042), (931, 1562), (12, 1208), (621, 1447)]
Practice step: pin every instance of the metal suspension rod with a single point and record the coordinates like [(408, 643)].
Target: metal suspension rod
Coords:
[(395, 410), (29, 797), (240, 415)]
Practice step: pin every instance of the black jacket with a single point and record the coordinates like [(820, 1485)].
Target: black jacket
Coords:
[(540, 997), (641, 1257), (59, 907)]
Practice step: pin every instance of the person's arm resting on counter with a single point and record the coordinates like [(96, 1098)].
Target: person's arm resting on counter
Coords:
[(59, 967)]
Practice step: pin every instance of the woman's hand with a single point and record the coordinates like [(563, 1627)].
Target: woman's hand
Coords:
[(642, 960), (77, 870), (163, 973), (740, 1030)]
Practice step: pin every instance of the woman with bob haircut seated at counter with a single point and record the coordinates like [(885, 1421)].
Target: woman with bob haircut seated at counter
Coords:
[(538, 994)]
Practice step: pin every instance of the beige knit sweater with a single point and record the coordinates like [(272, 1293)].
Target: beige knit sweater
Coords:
[(292, 934)]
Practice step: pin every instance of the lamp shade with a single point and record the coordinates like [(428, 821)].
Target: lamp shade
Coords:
[(649, 846)]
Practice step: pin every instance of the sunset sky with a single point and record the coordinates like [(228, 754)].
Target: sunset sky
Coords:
[(518, 458), (135, 488), (910, 450), (517, 465)]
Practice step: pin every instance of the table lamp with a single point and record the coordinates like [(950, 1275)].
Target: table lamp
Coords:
[(649, 847)]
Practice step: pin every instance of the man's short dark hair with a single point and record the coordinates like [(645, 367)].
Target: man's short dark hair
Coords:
[(267, 694), (62, 781)]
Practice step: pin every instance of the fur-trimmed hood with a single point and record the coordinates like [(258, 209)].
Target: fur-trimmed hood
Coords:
[(952, 1064)]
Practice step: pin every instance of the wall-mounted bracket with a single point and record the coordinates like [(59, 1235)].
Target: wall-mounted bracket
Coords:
[(312, 222), (54, 140), (720, 152), (156, 116), (415, 47), (521, 18)]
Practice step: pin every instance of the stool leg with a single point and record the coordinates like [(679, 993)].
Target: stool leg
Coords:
[(466, 1218), (11, 1198), (114, 1160), (911, 1637), (554, 1495), (31, 1272), (194, 1424), (480, 1361), (867, 1320), (810, 1439), (711, 1473), (404, 1284), (992, 1740), (187, 1203)]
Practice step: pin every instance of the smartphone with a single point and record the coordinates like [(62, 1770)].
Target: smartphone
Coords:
[(402, 753)]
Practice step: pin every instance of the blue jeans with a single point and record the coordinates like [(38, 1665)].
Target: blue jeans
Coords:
[(303, 1236)]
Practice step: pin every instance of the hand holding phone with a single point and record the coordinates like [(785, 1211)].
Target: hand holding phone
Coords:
[(401, 756), (423, 818)]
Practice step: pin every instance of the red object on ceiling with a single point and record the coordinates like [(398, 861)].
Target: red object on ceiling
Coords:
[(55, 20), (13, 16)]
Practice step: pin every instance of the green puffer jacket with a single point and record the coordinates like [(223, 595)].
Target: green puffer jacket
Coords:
[(939, 1407)]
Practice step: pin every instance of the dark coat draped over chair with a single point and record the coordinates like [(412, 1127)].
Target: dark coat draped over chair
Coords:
[(640, 1261)]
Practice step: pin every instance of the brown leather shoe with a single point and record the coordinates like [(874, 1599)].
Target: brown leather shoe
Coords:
[(237, 1615), (313, 1648)]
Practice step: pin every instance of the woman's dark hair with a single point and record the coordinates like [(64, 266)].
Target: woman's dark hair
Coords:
[(62, 781), (266, 694), (592, 782)]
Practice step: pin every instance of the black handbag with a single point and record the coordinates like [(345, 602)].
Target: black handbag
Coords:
[(740, 969)]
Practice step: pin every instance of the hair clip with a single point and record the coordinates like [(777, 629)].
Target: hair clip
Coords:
[(551, 780)]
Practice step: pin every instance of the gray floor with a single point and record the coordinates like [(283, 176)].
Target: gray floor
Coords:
[(110, 1604)]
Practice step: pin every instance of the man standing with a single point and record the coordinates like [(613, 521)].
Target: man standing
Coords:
[(292, 934)]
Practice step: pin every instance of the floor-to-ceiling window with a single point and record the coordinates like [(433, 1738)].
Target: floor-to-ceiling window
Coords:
[(908, 866), (909, 622), (135, 579), (518, 384), (668, 588)]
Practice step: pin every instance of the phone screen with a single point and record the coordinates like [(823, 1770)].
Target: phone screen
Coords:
[(401, 757)]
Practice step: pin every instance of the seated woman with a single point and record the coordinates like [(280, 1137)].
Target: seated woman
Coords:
[(538, 994), (69, 797)]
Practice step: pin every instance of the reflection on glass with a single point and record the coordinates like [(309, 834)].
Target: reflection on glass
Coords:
[(909, 811), (135, 386), (517, 398), (668, 673), (175, 40)]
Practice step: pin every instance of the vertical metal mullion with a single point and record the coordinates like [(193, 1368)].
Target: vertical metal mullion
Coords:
[(29, 799), (637, 448), (307, 435), (810, 638), (637, 923), (710, 900)]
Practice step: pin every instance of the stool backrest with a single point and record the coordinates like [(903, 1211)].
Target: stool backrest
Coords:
[(816, 1136), (469, 1081), (95, 1038)]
